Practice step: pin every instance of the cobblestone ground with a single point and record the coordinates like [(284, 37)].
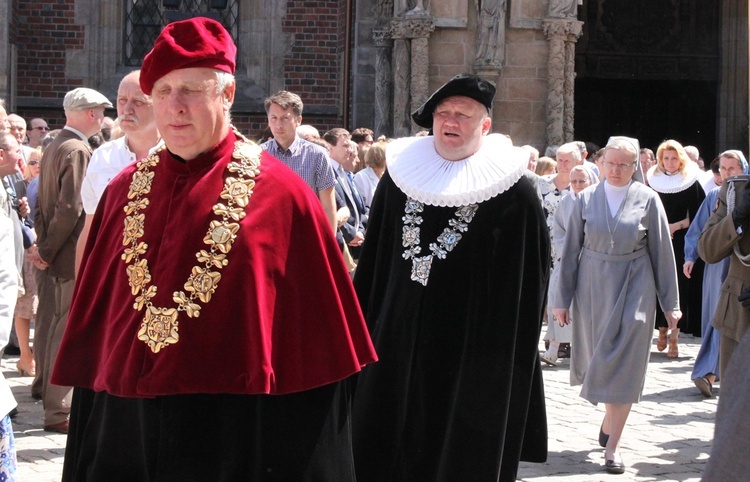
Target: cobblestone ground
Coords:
[(668, 436)]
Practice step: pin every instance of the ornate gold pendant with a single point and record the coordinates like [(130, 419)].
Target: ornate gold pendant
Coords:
[(159, 328)]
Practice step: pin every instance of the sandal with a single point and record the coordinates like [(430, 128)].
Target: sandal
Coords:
[(673, 352), (548, 358), (661, 343)]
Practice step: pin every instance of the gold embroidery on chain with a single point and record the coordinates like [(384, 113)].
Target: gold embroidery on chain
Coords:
[(159, 327)]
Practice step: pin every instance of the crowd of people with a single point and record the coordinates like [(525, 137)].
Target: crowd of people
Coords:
[(383, 302)]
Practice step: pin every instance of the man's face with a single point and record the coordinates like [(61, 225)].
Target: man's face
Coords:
[(565, 162), (646, 161), (37, 130), (352, 160), (190, 114), (10, 159), (728, 167), (17, 127), (340, 152), (134, 109), (283, 124), (458, 124)]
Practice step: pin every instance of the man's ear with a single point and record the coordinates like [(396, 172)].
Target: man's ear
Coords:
[(228, 94), (486, 125)]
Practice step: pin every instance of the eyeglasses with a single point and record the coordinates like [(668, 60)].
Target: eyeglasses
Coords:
[(583, 181), (40, 128), (621, 167), (33, 163)]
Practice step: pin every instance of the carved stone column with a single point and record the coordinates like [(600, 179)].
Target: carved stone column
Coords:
[(383, 81), (562, 35), (410, 50)]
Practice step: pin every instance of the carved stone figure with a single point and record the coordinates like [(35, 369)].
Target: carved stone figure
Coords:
[(490, 32), (563, 8), (412, 7), (383, 8)]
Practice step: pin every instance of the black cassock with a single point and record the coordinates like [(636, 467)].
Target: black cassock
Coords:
[(458, 391)]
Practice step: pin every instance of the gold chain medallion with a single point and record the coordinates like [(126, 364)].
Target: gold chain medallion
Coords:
[(160, 325)]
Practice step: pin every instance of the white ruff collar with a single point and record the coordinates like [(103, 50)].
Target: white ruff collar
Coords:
[(665, 184), (422, 174)]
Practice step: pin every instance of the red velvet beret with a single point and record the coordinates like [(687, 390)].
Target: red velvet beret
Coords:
[(196, 42)]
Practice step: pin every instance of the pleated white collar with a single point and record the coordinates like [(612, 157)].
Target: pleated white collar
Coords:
[(670, 184), (422, 174)]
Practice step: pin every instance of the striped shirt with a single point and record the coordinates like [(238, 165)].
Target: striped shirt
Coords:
[(308, 160)]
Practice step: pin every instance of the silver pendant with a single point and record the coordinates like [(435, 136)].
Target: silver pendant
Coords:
[(420, 269)]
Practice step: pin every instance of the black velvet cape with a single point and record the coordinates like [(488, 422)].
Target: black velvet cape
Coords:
[(458, 391)]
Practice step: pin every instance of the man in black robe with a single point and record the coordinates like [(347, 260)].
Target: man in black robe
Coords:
[(452, 282)]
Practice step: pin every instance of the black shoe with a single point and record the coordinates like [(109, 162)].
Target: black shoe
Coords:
[(603, 437), (613, 467), (12, 414), (12, 350), (564, 350), (704, 386)]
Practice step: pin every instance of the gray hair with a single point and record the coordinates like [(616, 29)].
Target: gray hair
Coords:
[(570, 148), (224, 80)]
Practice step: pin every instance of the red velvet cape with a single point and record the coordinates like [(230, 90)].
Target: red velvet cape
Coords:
[(283, 319)]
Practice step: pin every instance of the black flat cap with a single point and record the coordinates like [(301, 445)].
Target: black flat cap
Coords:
[(467, 85)]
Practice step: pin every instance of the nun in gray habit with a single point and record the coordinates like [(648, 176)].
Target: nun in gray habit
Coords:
[(617, 254)]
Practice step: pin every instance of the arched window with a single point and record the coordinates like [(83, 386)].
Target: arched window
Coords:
[(144, 20)]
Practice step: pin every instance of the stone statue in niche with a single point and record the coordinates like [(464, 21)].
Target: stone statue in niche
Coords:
[(383, 8), (412, 7), (563, 8), (490, 32)]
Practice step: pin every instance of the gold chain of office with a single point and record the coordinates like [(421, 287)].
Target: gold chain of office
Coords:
[(159, 327)]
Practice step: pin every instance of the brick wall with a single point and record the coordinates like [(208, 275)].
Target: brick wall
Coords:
[(313, 67), (45, 30)]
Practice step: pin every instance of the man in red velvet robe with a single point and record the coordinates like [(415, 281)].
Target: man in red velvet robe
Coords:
[(214, 326)]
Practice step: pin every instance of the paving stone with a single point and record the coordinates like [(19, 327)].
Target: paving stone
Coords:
[(667, 438)]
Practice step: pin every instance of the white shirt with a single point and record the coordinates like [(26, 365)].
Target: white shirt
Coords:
[(106, 162), (366, 181)]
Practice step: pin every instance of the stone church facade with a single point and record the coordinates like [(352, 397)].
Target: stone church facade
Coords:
[(372, 62)]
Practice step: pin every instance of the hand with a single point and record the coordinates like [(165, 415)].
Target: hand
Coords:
[(359, 238), (744, 298), (741, 213), (23, 207), (672, 318), (687, 268), (682, 224), (37, 260), (562, 315), (342, 216)]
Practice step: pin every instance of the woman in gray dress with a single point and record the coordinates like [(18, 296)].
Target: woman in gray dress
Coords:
[(617, 253)]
